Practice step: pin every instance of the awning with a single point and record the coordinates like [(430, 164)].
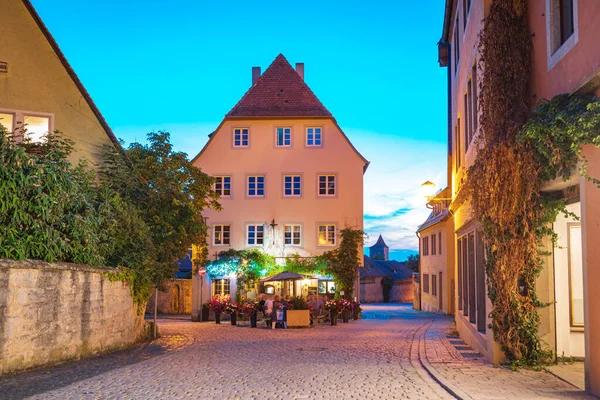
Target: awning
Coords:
[(284, 276)]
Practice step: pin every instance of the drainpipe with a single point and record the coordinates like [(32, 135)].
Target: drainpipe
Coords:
[(420, 277)]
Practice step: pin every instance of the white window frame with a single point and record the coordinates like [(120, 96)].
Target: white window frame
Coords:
[(327, 181), (327, 235), (221, 282), (292, 194), (286, 136), (239, 131), (221, 192), (257, 228), (220, 228), (314, 136), (19, 118), (554, 55), (264, 189), (292, 231)]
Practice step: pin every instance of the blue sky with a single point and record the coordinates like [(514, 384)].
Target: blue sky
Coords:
[(181, 65)]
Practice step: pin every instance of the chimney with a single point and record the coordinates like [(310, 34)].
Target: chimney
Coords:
[(255, 74), (300, 69)]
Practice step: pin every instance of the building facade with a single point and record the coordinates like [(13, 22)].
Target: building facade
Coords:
[(566, 59), (38, 88), (288, 176)]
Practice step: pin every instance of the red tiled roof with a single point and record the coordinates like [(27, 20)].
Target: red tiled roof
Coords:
[(279, 92)]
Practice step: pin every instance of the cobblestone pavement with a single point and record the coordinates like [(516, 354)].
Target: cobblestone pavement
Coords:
[(382, 356)]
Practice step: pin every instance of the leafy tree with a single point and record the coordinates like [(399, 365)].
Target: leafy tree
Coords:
[(169, 192), (343, 261), (413, 262)]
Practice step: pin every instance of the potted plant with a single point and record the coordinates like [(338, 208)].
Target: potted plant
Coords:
[(356, 310), (345, 306), (297, 313), (233, 310), (217, 305), (205, 312), (250, 309), (332, 307)]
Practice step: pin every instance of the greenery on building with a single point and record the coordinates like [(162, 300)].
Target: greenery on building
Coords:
[(139, 211), (519, 151), (412, 262)]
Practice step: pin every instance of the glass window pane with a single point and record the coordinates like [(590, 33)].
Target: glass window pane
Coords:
[(7, 120), (37, 127)]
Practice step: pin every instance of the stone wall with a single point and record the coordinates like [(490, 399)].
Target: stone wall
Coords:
[(176, 299), (417, 292), (371, 290), (51, 313)]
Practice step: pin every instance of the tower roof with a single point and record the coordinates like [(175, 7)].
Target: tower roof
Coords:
[(380, 243), (279, 92)]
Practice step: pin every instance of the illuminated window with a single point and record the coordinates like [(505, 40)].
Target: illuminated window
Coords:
[(35, 125), (255, 235), (256, 186), (241, 137), (7, 120), (292, 235), (221, 287), (221, 235), (327, 185), (284, 137), (313, 136), (327, 235), (223, 186), (292, 185)]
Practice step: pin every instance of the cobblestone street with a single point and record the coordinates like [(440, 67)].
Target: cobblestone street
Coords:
[(393, 353)]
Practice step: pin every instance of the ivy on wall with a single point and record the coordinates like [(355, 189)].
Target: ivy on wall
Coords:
[(520, 150)]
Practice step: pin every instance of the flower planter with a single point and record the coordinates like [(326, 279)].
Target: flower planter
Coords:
[(333, 316), (345, 316), (233, 319), (218, 318), (253, 319), (298, 318)]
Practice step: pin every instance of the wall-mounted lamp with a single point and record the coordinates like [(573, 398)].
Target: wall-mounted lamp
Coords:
[(428, 190)]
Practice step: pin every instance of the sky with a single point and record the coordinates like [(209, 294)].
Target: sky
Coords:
[(180, 66)]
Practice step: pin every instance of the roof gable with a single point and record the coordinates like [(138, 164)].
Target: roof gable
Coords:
[(279, 92)]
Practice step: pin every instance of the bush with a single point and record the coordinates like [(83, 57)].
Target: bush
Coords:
[(298, 303)]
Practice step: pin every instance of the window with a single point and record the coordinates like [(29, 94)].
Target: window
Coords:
[(434, 285), (327, 185), (561, 28), (221, 287), (425, 246), (327, 235), (433, 244), (426, 283), (457, 136), (241, 137), (475, 100), (466, 10), (255, 235), (284, 137), (36, 125), (575, 275), (456, 46), (221, 235), (567, 25), (256, 186), (313, 136), (440, 243), (292, 185), (292, 235), (223, 186)]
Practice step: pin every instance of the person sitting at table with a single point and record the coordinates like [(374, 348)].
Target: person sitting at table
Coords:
[(268, 309), (278, 313)]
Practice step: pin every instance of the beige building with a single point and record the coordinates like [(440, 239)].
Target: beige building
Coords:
[(38, 87), (288, 176), (565, 60)]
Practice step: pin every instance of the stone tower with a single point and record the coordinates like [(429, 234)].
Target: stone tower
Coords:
[(380, 250)]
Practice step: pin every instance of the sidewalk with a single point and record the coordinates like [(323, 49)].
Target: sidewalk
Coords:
[(466, 373)]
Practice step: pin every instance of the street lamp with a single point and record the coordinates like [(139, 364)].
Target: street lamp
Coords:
[(428, 190)]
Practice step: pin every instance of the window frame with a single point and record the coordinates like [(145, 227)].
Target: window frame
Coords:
[(256, 234), (555, 47), (222, 191), (433, 244), (222, 231), (335, 186), (327, 225), (256, 189), (425, 246), (292, 176), (434, 285), (289, 138), (292, 226), (241, 129), (306, 133), (19, 118), (222, 282), (426, 283)]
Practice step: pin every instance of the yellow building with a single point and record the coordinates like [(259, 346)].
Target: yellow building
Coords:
[(38, 87)]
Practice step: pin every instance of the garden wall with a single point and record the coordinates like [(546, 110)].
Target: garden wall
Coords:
[(51, 313)]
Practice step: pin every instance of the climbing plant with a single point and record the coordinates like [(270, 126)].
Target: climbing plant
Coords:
[(342, 262), (518, 151)]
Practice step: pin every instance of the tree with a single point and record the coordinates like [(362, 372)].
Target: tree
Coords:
[(413, 262), (169, 192), (343, 261)]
